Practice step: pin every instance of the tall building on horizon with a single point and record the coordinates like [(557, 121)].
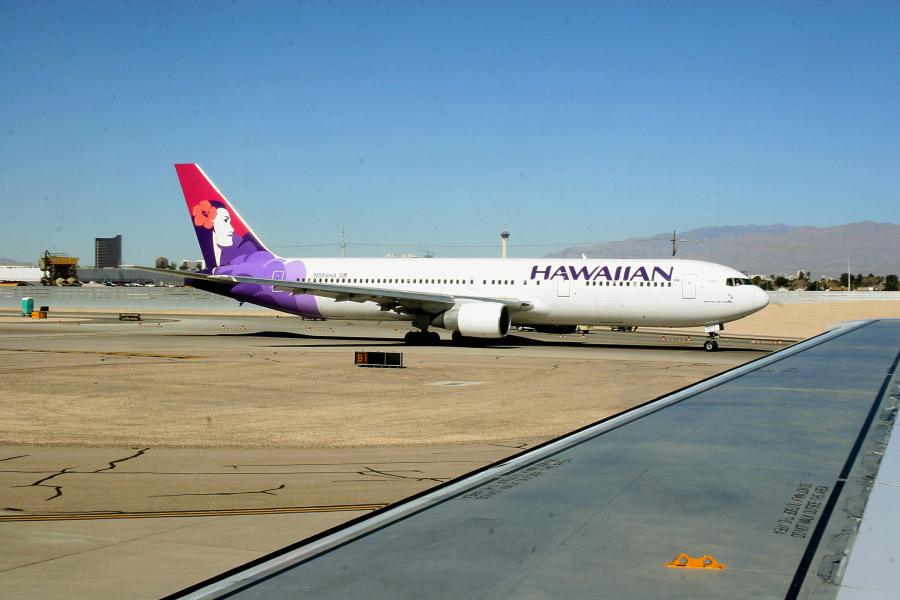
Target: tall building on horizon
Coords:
[(108, 252)]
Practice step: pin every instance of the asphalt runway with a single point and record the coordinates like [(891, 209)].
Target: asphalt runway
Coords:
[(195, 443)]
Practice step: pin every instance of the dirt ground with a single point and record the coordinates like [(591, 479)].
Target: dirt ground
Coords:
[(210, 382), (199, 391), (807, 320)]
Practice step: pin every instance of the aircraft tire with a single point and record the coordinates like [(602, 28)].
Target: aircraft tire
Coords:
[(711, 345)]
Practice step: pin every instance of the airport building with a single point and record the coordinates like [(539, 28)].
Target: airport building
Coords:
[(108, 252), (19, 274)]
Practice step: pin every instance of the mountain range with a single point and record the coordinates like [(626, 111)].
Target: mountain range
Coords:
[(14, 263), (769, 249)]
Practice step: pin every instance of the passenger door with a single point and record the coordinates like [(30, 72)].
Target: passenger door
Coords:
[(689, 286)]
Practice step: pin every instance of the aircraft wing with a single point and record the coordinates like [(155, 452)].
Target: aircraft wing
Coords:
[(390, 299), (777, 479)]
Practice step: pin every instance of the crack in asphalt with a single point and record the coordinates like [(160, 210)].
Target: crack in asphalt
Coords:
[(388, 462), (521, 446), (270, 492), (114, 463), (14, 457), (191, 473), (369, 471), (57, 488)]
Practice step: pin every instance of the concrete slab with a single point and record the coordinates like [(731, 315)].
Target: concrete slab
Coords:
[(140, 558)]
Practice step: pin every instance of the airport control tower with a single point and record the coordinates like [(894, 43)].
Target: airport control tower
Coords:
[(504, 243)]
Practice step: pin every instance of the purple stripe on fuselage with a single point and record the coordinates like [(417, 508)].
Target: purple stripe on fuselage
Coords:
[(266, 265)]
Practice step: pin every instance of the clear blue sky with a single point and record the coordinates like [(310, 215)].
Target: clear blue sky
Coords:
[(439, 122)]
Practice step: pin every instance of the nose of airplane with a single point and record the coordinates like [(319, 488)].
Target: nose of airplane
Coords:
[(760, 299)]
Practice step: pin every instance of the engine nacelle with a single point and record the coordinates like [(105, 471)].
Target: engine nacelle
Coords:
[(477, 319)]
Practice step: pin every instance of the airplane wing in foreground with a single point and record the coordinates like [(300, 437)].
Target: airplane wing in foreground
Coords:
[(777, 479)]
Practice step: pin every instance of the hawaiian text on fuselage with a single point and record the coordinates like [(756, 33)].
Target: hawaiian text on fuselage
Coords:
[(619, 273)]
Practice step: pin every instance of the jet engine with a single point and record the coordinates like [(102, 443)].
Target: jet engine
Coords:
[(476, 319)]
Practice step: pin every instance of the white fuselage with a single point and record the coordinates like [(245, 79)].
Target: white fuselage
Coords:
[(559, 291)]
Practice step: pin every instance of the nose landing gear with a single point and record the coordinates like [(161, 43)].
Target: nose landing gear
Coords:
[(712, 340)]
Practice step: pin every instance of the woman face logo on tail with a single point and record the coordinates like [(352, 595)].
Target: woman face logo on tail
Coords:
[(214, 220), (222, 228)]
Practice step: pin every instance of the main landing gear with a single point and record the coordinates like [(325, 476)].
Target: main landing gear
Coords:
[(422, 338)]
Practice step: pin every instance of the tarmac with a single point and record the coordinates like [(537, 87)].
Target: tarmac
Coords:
[(139, 458)]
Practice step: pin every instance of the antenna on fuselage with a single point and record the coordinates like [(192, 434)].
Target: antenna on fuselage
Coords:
[(343, 243), (675, 241)]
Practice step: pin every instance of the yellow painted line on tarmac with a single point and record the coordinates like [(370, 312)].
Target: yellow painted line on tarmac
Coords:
[(228, 512), (106, 353)]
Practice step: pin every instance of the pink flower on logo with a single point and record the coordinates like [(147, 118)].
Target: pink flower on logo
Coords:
[(204, 214)]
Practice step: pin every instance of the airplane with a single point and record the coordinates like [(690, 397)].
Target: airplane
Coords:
[(472, 298)]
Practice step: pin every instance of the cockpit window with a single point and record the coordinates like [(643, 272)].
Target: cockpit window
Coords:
[(732, 281)]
